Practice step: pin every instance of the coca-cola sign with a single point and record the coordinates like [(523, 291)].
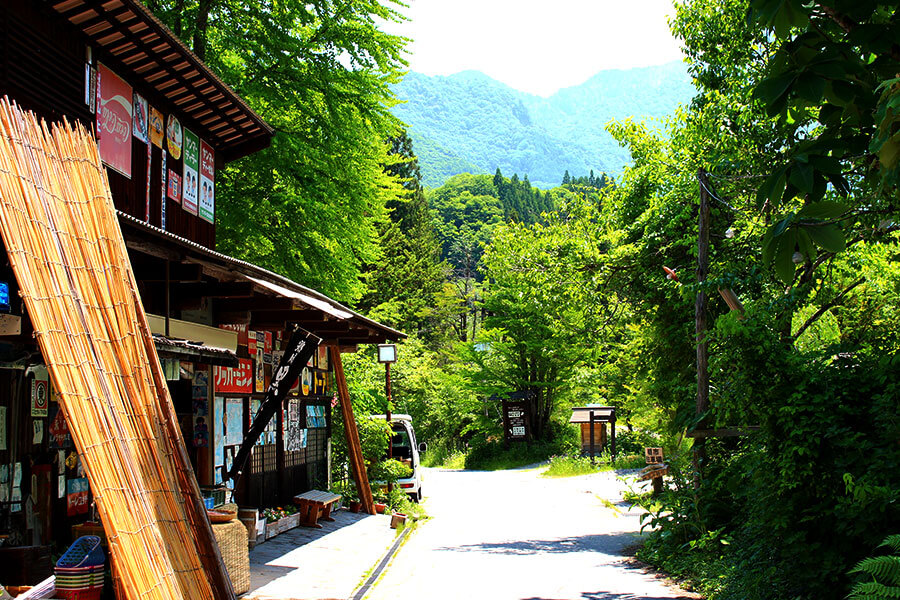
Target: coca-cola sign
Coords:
[(114, 112)]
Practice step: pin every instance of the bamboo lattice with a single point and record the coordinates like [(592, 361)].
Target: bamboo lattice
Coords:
[(64, 243)]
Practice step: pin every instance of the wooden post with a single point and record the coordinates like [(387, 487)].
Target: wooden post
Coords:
[(591, 433), (612, 428), (354, 450), (699, 450)]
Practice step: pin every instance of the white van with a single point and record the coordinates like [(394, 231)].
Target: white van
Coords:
[(405, 449)]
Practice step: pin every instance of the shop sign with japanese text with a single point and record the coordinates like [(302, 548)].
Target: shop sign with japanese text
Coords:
[(235, 380), (114, 128)]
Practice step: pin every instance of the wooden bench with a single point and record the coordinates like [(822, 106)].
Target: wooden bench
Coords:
[(655, 470), (314, 505)]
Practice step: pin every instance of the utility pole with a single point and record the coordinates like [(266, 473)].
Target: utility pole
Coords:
[(699, 449)]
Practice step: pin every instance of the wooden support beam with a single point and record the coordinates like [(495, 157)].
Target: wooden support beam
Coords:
[(261, 319), (256, 303), (178, 272), (228, 289), (354, 449)]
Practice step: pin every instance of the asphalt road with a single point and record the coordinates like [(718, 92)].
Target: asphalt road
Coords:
[(518, 536)]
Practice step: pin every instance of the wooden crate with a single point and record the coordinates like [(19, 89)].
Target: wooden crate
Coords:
[(282, 525)]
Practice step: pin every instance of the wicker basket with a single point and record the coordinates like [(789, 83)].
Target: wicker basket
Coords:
[(232, 539)]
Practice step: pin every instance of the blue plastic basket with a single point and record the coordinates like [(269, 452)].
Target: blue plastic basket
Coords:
[(84, 552)]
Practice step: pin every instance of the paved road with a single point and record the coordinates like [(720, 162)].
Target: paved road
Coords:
[(513, 535)]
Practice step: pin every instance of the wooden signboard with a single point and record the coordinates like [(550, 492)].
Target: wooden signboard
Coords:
[(515, 420)]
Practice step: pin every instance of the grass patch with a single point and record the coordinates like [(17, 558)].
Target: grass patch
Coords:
[(572, 466), (443, 458)]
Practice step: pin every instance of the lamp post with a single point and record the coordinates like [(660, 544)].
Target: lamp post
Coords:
[(387, 354)]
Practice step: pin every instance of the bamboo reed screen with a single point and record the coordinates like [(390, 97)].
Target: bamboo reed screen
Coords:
[(65, 246)]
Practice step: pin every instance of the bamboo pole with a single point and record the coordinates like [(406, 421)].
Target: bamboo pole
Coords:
[(66, 249)]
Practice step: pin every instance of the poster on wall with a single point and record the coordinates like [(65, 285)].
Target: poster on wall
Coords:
[(173, 190), (322, 359), (114, 121), (235, 380), (260, 365), (157, 128), (254, 408), (140, 119), (315, 417), (200, 400), (293, 425), (191, 171), (219, 431), (59, 431), (77, 496), (40, 397), (234, 427), (305, 381), (173, 136), (207, 201)]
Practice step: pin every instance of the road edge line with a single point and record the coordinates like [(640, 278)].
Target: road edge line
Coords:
[(382, 564)]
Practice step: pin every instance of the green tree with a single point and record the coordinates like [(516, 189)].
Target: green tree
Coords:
[(319, 73), (406, 285)]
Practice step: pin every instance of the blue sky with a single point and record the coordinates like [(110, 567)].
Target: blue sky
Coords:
[(537, 46)]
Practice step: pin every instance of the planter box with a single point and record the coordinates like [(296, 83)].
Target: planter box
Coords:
[(282, 525)]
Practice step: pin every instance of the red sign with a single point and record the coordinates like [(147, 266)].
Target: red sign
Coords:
[(238, 380), (241, 331), (174, 187), (114, 111)]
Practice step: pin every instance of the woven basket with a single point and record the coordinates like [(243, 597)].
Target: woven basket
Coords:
[(232, 539)]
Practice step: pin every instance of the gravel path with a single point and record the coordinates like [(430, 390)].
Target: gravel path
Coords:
[(515, 535)]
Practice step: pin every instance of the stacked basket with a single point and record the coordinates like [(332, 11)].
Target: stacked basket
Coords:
[(79, 572)]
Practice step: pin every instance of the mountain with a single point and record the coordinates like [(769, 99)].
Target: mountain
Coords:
[(470, 123)]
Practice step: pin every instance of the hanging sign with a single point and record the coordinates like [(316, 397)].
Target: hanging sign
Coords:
[(235, 380), (156, 128), (207, 202), (114, 98), (140, 119), (40, 397), (191, 171), (299, 348), (173, 190), (173, 137)]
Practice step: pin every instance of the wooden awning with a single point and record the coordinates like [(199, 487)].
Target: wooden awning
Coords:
[(244, 293), (140, 48), (582, 414)]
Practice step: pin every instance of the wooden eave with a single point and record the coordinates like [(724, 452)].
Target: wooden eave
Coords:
[(140, 48), (243, 293)]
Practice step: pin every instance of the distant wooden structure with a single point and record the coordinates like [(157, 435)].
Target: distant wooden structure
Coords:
[(593, 421)]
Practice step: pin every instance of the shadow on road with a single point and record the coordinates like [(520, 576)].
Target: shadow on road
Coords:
[(604, 543), (614, 596)]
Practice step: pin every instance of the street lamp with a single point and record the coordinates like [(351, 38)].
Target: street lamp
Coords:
[(387, 354)]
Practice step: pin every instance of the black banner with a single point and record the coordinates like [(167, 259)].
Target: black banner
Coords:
[(300, 349)]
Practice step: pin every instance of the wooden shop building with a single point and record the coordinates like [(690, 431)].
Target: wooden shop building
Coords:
[(166, 125)]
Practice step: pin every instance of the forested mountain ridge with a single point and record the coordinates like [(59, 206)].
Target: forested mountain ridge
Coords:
[(468, 122)]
